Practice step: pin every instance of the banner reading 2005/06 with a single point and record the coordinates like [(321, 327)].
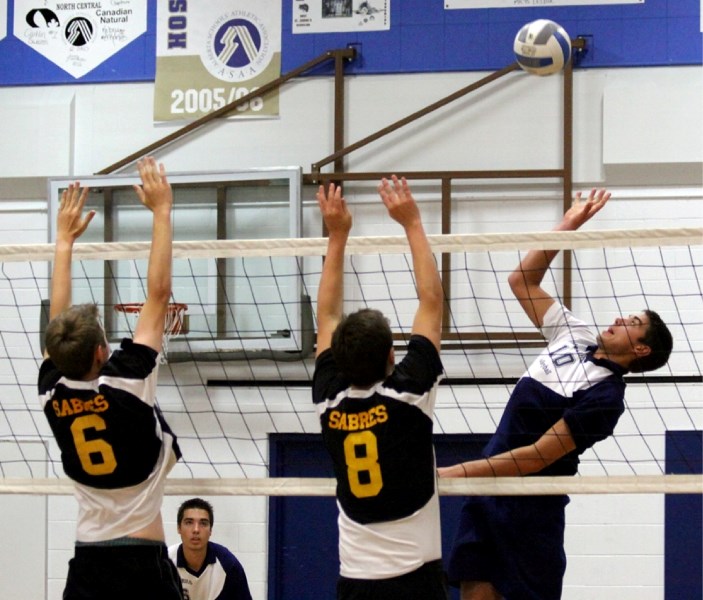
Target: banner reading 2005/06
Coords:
[(212, 52)]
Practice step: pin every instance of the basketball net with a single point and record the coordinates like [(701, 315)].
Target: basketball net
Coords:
[(174, 322)]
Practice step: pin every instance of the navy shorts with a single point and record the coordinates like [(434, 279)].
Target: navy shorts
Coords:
[(429, 582), (134, 572), (516, 543)]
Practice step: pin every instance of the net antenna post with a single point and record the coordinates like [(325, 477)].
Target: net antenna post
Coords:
[(175, 322), (580, 48)]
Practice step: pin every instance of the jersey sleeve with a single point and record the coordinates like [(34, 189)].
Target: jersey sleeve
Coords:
[(131, 372), (49, 376), (420, 369), (131, 361), (236, 586), (326, 381), (559, 320), (595, 413)]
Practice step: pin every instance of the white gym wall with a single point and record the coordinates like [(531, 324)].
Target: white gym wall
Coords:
[(637, 131)]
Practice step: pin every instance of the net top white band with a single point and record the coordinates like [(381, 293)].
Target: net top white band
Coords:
[(322, 486), (544, 240)]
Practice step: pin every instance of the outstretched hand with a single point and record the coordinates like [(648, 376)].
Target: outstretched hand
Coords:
[(582, 210), (70, 222), (334, 210), (443, 472), (399, 201), (155, 191)]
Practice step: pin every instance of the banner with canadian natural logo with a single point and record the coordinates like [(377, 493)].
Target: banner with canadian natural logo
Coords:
[(78, 36), (212, 52)]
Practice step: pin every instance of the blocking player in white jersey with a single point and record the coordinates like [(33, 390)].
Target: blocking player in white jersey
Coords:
[(512, 547), (208, 571), (377, 418), (114, 442)]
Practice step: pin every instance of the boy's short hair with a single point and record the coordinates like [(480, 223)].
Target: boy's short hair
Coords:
[(72, 337), (196, 503), (361, 344), (660, 341)]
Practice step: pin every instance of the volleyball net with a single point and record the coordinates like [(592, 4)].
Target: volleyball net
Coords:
[(240, 359)]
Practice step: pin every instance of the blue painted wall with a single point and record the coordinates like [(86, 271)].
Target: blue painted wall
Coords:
[(303, 554), (424, 37), (303, 530), (683, 524)]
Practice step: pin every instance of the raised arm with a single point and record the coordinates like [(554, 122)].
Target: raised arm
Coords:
[(554, 444), (526, 280), (70, 225), (155, 193), (330, 294), (402, 208)]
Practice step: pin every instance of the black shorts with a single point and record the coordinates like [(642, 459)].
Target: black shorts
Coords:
[(136, 572), (516, 543), (429, 582)]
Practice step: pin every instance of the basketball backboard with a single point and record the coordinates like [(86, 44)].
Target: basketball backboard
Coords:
[(236, 303)]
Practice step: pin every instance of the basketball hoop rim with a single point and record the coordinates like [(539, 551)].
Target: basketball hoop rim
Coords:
[(175, 319), (135, 307)]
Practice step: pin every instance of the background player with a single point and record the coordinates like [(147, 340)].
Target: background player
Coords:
[(114, 443), (376, 418), (208, 571), (570, 398)]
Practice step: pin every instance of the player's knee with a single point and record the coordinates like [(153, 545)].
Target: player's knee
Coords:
[(478, 590)]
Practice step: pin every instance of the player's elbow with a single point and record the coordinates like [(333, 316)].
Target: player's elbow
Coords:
[(431, 311), (521, 288), (431, 295), (517, 282), (160, 292)]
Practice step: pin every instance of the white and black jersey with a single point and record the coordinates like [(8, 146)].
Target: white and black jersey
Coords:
[(114, 442), (508, 540), (380, 441), (565, 381), (221, 576)]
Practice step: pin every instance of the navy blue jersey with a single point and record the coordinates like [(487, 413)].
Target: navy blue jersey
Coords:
[(567, 382), (517, 542), (221, 576)]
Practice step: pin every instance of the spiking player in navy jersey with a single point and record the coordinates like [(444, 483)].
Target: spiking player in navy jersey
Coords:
[(376, 418), (571, 397), (114, 442), (208, 571)]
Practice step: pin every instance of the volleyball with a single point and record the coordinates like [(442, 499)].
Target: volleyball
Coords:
[(542, 47)]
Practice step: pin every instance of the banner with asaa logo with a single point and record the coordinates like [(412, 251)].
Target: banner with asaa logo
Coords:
[(212, 52)]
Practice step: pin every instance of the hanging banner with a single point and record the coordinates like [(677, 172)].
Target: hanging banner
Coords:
[(78, 36), (3, 19), (212, 52), (327, 16), (450, 4)]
